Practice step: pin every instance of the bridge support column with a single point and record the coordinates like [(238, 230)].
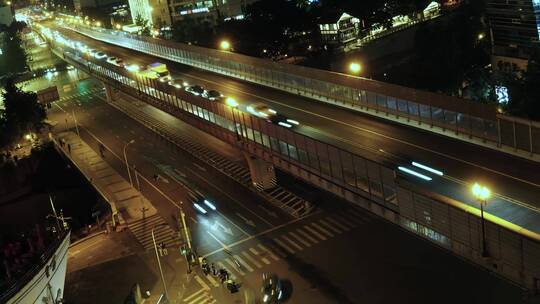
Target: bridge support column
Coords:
[(262, 173), (109, 92)]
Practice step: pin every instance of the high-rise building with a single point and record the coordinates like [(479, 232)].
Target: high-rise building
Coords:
[(514, 26), (156, 12), (208, 10)]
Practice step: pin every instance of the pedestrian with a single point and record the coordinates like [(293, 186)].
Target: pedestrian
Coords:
[(213, 267), (69, 148)]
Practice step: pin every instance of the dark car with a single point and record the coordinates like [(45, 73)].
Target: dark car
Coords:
[(271, 290), (212, 94), (195, 90)]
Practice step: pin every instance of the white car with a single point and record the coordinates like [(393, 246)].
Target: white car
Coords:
[(115, 61), (100, 55)]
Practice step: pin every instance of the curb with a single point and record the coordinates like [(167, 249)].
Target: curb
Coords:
[(87, 238)]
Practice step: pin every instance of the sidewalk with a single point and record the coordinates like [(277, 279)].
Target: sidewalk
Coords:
[(126, 202)]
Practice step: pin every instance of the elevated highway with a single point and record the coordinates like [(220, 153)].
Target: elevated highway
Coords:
[(357, 157)]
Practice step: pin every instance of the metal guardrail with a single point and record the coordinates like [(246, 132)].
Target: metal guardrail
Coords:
[(29, 274), (458, 118)]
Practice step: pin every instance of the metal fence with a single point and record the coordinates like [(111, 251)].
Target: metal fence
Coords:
[(350, 175), (466, 120)]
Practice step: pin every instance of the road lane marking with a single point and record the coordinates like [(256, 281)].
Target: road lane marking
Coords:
[(217, 240), (212, 280), (244, 264), (251, 259), (298, 238), (202, 283), (298, 247), (307, 236), (283, 245), (270, 253), (255, 252), (317, 234), (343, 221), (190, 297), (233, 265), (317, 226), (232, 199), (330, 226)]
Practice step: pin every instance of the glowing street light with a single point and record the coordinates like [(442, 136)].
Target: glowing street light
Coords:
[(482, 193), (231, 102), (225, 45), (98, 24), (355, 67), (481, 36), (118, 26)]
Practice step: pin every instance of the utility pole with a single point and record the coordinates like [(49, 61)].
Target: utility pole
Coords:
[(54, 212), (75, 122)]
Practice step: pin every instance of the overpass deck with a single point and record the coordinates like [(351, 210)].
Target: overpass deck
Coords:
[(515, 181)]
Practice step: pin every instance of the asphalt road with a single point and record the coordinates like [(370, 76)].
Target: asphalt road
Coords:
[(462, 163), (338, 255)]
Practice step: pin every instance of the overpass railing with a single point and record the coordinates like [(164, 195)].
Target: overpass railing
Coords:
[(454, 117), (358, 176)]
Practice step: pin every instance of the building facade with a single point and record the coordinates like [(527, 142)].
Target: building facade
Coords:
[(209, 11), (514, 27), (339, 30), (156, 12)]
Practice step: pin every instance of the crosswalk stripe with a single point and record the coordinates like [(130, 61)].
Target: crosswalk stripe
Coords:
[(224, 267), (283, 245), (252, 260), (328, 233), (307, 236), (317, 234), (212, 280), (246, 265), (202, 283), (345, 221), (340, 225), (298, 238), (199, 298), (190, 297), (291, 242), (353, 218), (233, 265), (255, 252), (330, 226), (270, 253)]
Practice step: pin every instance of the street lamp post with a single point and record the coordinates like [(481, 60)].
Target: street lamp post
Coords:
[(126, 161), (482, 193), (233, 104), (159, 264), (355, 67), (225, 45)]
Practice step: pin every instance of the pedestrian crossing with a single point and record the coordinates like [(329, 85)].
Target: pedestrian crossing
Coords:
[(142, 229), (290, 242), (81, 94), (202, 296)]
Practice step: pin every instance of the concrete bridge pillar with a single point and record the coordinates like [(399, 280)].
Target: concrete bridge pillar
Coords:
[(109, 92), (262, 173)]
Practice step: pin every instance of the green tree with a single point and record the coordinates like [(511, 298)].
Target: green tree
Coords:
[(22, 114), (144, 24), (13, 58), (524, 100)]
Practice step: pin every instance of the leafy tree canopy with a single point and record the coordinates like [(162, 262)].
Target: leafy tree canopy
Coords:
[(22, 114)]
